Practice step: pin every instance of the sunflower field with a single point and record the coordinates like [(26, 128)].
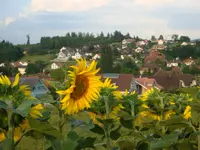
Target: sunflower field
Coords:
[(86, 113)]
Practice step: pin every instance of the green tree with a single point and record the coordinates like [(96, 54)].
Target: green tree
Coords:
[(161, 37), (32, 69), (184, 39), (106, 61), (175, 37), (153, 38), (129, 66)]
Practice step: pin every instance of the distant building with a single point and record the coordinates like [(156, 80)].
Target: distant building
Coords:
[(64, 54), (56, 65), (123, 81), (144, 84), (37, 86)]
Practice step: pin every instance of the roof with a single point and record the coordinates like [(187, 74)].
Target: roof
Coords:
[(147, 83), (123, 81), (59, 64), (30, 81), (151, 66), (172, 81)]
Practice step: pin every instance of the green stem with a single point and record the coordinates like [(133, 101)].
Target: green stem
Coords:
[(107, 128), (132, 112), (198, 137), (10, 126)]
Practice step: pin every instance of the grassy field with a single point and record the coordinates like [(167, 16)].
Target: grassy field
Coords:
[(34, 58)]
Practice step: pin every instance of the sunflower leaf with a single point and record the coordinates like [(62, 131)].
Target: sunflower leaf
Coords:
[(43, 127), (3, 105), (97, 129), (86, 143), (126, 123), (71, 141), (24, 108)]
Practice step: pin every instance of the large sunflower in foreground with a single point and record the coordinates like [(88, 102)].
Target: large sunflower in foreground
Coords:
[(84, 87)]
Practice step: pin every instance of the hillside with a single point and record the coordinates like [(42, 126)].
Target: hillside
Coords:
[(34, 58)]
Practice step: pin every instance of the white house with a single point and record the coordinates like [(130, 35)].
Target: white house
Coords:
[(139, 50), (184, 44), (160, 42), (77, 55), (96, 56), (56, 65), (172, 64), (88, 54), (2, 64), (125, 42)]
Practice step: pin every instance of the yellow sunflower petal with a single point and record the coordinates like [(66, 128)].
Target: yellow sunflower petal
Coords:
[(16, 81)]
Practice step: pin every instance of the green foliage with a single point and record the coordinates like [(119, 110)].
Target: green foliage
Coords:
[(183, 52), (9, 52), (106, 61)]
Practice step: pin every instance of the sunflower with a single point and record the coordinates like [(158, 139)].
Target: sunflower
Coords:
[(2, 136), (6, 85), (114, 111), (36, 110), (146, 94), (4, 80), (84, 89), (187, 112), (18, 131)]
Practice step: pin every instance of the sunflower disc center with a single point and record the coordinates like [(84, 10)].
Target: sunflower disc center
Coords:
[(81, 87)]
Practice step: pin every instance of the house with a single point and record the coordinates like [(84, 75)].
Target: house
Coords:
[(149, 68), (171, 80), (144, 84), (56, 65), (123, 81), (160, 42), (125, 42), (184, 44), (154, 56), (21, 66), (139, 50), (173, 63), (2, 64), (96, 56), (77, 55), (36, 85), (189, 61), (64, 54)]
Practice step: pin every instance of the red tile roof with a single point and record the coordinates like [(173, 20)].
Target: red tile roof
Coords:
[(147, 83), (123, 81)]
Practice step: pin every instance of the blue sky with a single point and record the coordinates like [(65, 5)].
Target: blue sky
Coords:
[(57, 17)]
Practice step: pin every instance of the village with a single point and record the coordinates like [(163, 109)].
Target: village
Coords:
[(154, 69)]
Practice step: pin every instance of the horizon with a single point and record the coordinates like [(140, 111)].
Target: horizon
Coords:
[(41, 18)]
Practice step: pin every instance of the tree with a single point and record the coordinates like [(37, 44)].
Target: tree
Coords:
[(161, 37), (58, 75), (28, 39), (32, 69), (106, 62), (128, 66), (127, 36), (153, 38), (175, 37), (184, 39), (118, 36)]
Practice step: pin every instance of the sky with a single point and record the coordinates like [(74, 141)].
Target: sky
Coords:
[(142, 18)]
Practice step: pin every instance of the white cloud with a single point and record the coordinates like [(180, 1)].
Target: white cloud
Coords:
[(66, 5), (9, 20)]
